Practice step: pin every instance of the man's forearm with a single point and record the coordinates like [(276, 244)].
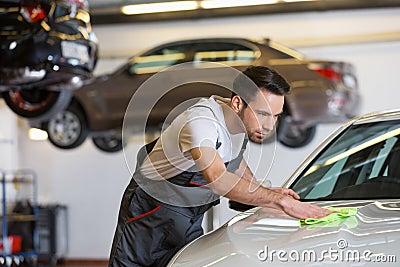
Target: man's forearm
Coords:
[(248, 192), (245, 172)]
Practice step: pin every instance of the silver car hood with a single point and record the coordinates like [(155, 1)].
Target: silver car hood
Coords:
[(268, 237)]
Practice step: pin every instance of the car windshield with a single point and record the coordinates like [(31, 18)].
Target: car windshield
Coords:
[(363, 162)]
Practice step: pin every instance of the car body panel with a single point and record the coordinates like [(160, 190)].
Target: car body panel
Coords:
[(256, 237)]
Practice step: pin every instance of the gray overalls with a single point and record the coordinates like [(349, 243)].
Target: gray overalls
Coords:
[(150, 232)]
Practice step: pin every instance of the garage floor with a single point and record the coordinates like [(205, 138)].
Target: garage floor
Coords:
[(80, 263)]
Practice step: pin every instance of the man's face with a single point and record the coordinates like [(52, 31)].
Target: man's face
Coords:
[(260, 115)]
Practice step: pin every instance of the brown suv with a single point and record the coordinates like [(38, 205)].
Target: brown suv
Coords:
[(322, 91)]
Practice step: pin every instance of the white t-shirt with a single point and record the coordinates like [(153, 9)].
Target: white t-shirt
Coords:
[(202, 125)]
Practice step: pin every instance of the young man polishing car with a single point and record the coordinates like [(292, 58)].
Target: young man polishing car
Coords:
[(197, 159)]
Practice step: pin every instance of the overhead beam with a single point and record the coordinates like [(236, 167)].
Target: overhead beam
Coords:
[(111, 13)]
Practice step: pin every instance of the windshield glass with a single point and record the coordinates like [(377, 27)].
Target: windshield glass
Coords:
[(362, 163)]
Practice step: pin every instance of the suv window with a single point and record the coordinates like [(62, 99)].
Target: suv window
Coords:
[(223, 52), (363, 163), (160, 59)]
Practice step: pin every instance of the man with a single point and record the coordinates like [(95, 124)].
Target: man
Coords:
[(198, 158)]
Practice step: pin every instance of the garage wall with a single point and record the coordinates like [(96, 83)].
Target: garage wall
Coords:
[(8, 138), (91, 182)]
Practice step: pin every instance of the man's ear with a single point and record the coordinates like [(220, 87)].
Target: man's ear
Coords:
[(237, 103)]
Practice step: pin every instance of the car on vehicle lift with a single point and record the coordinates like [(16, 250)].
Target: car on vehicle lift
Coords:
[(47, 49), (322, 91)]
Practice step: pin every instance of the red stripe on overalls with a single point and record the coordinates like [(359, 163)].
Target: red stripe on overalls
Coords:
[(197, 184), (143, 215)]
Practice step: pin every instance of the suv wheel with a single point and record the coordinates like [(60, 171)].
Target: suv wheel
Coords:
[(67, 129), (292, 135), (108, 143), (36, 103)]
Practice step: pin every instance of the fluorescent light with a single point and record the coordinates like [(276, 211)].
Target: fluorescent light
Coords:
[(37, 134), (209, 4), (159, 7)]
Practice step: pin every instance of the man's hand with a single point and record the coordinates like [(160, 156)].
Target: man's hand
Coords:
[(302, 210), (297, 209)]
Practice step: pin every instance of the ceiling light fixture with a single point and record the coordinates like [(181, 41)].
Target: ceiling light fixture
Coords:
[(159, 7), (210, 4)]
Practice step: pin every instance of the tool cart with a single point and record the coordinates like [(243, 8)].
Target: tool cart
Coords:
[(18, 218), (52, 227)]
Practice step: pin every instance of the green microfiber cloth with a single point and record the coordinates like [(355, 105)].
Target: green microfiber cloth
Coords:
[(350, 222), (337, 214)]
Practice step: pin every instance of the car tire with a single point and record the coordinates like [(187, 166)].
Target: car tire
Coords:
[(67, 129), (108, 143), (38, 104), (292, 135)]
